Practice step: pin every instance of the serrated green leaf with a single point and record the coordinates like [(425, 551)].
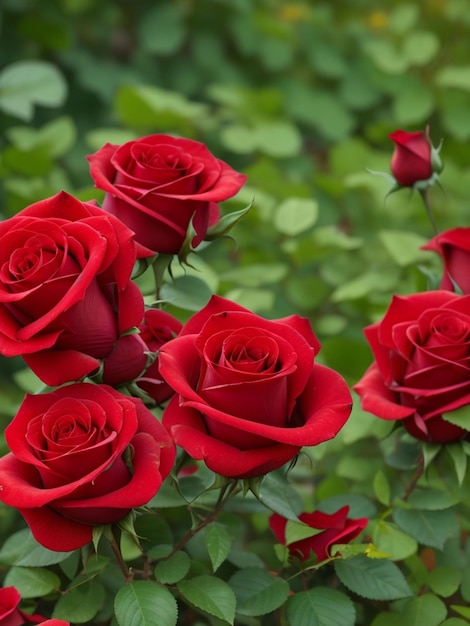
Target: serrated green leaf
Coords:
[(295, 215), (83, 601), (278, 496), (210, 594), (424, 610), (430, 528), (257, 591), (218, 543), (26, 83), (22, 549), (32, 582), (137, 604), (392, 541), (321, 606), (173, 569), (459, 417), (382, 488), (374, 579)]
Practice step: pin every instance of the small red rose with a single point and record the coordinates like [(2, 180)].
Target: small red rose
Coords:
[(421, 373), (249, 394), (158, 184), (81, 456), (65, 289), (411, 160), (334, 528), (454, 248)]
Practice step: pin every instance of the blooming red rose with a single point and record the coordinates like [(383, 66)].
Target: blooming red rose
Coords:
[(157, 328), (421, 371), (248, 393), (335, 528), (157, 184), (65, 289), (82, 455), (10, 613), (411, 160), (454, 248)]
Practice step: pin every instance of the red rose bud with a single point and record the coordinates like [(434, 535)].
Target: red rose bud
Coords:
[(454, 248), (158, 185), (421, 373), (81, 456), (249, 394), (415, 161), (334, 528)]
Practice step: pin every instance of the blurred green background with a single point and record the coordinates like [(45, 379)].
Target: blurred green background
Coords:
[(300, 96)]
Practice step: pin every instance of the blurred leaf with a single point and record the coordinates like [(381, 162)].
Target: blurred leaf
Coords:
[(173, 569), (27, 83), (21, 548), (295, 215), (382, 488), (424, 610), (278, 139), (162, 29), (389, 539), (257, 591), (210, 594), (32, 582), (452, 76), (321, 606), (404, 246), (256, 274), (139, 602), (54, 139), (375, 579), (420, 47), (431, 528), (444, 581)]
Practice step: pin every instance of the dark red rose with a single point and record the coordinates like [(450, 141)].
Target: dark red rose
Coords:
[(248, 393), (335, 528), (65, 289), (411, 160), (11, 614), (157, 184), (454, 248), (82, 455), (422, 364), (157, 328)]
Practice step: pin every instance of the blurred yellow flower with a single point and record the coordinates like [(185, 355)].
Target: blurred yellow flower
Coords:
[(377, 20)]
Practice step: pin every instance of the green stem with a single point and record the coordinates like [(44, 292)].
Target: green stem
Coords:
[(414, 479), (425, 198)]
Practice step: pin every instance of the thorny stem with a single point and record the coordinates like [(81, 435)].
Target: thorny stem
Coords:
[(414, 479)]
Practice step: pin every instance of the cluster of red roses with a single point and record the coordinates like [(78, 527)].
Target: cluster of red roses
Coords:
[(247, 393)]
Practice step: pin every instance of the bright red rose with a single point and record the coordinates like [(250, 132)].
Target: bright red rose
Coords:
[(422, 364), (10, 613), (454, 248), (335, 528), (157, 184), (248, 393), (157, 328), (82, 455), (65, 289), (411, 160)]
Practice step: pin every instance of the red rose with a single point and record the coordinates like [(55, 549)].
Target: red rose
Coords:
[(411, 161), (454, 248), (335, 528), (10, 613), (65, 289), (157, 328), (248, 394), (157, 184), (422, 364), (82, 455)]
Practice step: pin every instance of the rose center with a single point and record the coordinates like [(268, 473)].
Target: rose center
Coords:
[(250, 354), (450, 329)]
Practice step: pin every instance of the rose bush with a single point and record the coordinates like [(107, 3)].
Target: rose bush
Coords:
[(454, 248), (159, 183), (248, 392), (334, 528), (411, 160), (81, 456), (65, 289), (421, 373)]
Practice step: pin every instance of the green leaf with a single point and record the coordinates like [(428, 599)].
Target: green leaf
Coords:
[(218, 543), (454, 76), (225, 224), (173, 569), (419, 47), (454, 621), (458, 456), (211, 595), (278, 496), (432, 499), (424, 610), (444, 581), (374, 579), (459, 417), (138, 603), (389, 539), (278, 139), (22, 549), (382, 488), (430, 528), (81, 603), (187, 292), (258, 592), (321, 606), (461, 610), (162, 29), (32, 582), (296, 531), (26, 83), (295, 215), (404, 246), (256, 274)]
